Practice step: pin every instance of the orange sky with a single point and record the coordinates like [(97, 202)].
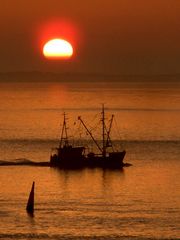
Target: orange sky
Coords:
[(117, 36)]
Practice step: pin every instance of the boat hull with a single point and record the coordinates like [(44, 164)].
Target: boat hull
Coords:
[(113, 161)]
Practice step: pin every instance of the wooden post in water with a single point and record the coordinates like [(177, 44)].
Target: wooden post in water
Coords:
[(30, 203)]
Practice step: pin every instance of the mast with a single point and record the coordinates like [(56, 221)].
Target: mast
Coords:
[(64, 130), (79, 118), (103, 131), (108, 133)]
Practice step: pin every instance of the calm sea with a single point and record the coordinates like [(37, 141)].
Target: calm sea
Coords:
[(139, 202)]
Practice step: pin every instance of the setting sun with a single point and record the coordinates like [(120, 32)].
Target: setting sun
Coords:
[(57, 49)]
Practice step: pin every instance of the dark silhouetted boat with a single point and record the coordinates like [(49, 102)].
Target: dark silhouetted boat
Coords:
[(68, 156)]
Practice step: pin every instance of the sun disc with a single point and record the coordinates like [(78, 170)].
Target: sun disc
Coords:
[(57, 48)]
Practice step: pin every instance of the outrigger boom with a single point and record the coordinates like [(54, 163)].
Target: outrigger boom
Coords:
[(105, 142)]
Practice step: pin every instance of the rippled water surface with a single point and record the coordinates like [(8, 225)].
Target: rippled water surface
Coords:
[(138, 202)]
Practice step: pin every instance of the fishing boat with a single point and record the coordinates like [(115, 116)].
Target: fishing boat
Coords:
[(71, 157)]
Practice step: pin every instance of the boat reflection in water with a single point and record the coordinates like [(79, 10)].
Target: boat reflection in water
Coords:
[(72, 157)]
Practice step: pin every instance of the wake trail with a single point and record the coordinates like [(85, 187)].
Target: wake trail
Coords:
[(23, 162)]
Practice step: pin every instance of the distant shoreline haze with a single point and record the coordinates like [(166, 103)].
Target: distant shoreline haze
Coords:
[(86, 77)]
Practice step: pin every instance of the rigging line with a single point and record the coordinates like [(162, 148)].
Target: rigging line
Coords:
[(78, 128), (117, 127), (95, 126), (93, 120), (108, 139), (90, 134), (118, 132), (96, 115)]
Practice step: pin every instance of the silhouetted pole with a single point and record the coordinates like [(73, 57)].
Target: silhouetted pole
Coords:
[(30, 203)]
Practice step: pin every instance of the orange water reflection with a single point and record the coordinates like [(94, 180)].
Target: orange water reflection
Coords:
[(34, 109)]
